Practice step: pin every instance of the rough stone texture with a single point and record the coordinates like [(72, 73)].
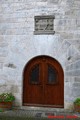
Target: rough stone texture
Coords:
[(18, 44)]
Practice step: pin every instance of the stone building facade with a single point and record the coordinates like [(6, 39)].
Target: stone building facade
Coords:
[(19, 44)]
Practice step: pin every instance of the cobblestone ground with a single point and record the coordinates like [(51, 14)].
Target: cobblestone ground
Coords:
[(34, 114)]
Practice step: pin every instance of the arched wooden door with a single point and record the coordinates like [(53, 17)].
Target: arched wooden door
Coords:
[(43, 83)]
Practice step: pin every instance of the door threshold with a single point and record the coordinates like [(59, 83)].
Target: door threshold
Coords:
[(44, 109)]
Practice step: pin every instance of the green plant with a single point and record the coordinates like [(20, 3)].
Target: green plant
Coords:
[(6, 97), (77, 101)]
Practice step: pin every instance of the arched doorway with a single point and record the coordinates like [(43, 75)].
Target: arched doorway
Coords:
[(43, 83)]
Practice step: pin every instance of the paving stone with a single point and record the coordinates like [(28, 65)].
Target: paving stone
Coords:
[(38, 114)]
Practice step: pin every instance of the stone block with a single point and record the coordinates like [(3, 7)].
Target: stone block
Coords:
[(71, 51), (73, 73), (73, 66), (76, 3), (68, 105), (3, 89), (77, 79), (19, 1), (23, 25), (2, 82), (66, 35), (76, 84), (76, 92), (13, 20), (3, 44), (2, 59), (74, 41), (3, 52), (18, 31), (70, 2), (63, 48), (59, 28), (10, 65), (1, 65), (1, 38), (78, 47), (15, 89), (53, 1), (73, 59), (18, 100), (78, 23), (70, 80), (59, 22), (65, 22)]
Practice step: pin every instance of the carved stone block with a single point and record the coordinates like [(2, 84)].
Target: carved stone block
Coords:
[(44, 25)]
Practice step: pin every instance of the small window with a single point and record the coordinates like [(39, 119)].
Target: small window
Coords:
[(34, 75), (52, 75)]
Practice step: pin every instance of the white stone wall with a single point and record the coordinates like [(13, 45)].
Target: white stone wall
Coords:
[(18, 44)]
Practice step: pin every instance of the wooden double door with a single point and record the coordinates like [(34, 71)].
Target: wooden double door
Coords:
[(43, 83)]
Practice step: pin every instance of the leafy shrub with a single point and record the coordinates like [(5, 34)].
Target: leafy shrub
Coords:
[(6, 97), (77, 101)]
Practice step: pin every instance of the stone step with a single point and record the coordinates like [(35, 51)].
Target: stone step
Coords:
[(44, 109)]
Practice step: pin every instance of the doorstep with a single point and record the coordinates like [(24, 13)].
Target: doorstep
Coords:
[(45, 109)]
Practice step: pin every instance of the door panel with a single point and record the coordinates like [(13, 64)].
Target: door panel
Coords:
[(43, 82), (53, 85), (33, 84)]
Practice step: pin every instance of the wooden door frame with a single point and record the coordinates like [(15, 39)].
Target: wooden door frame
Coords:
[(36, 105)]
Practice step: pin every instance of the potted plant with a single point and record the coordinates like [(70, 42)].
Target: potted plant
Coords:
[(6, 101), (77, 105)]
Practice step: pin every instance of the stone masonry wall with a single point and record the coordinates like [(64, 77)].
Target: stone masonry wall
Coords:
[(18, 44)]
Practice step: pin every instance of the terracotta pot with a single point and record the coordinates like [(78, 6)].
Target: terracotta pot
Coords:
[(5, 105), (77, 108)]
